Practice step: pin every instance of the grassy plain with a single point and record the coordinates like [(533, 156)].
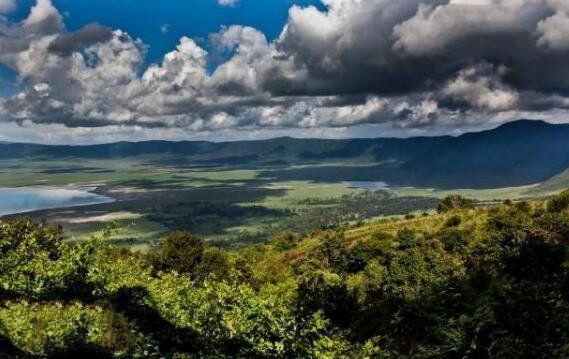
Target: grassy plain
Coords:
[(226, 204), (490, 195)]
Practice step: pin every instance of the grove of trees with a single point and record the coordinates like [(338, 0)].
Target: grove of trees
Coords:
[(488, 282)]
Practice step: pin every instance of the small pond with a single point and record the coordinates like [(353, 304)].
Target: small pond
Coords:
[(369, 185)]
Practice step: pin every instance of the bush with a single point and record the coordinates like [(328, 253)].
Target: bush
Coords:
[(285, 241), (453, 202), (407, 238), (453, 239), (559, 202), (52, 328), (380, 246), (453, 221)]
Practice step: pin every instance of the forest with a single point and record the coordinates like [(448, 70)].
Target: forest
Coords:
[(465, 282)]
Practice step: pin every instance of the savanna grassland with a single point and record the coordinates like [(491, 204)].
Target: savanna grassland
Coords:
[(228, 204), (234, 193), (464, 282)]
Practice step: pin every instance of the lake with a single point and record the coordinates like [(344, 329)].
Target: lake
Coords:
[(28, 199), (369, 185)]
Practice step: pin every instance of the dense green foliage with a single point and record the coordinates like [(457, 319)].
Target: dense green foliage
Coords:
[(485, 282)]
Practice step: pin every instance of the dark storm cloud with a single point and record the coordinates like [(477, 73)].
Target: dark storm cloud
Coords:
[(66, 44), (398, 47), (349, 49)]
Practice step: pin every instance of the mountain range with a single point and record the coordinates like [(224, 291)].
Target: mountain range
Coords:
[(517, 153)]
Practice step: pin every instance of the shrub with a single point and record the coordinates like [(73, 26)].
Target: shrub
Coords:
[(559, 202), (285, 241), (407, 238), (453, 221), (379, 246), (213, 262), (453, 202), (453, 239)]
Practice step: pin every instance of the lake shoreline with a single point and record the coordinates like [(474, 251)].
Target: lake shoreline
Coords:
[(29, 199)]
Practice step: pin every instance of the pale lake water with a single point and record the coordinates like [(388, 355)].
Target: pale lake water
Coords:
[(28, 199), (369, 185)]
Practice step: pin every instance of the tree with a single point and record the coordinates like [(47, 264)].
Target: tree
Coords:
[(182, 252), (333, 252), (36, 263)]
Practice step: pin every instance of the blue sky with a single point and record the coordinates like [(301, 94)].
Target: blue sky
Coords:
[(161, 27), (147, 20)]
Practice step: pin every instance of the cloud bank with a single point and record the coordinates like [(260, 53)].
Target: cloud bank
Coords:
[(411, 64)]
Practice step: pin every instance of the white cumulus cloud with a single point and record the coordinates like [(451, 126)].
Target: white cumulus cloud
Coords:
[(402, 63)]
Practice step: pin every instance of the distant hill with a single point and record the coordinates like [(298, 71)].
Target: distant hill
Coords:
[(517, 153), (284, 150)]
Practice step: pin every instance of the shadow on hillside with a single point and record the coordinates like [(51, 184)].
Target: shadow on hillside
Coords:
[(79, 350), (333, 174), (135, 305), (131, 302), (72, 170), (205, 211), (9, 350)]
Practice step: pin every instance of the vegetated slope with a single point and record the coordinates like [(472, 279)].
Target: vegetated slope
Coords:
[(552, 185), (518, 153), (475, 283)]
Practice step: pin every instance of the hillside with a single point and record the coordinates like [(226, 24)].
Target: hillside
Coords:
[(517, 153), (486, 282), (552, 185)]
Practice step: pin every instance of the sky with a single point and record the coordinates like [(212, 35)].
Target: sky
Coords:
[(95, 71)]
